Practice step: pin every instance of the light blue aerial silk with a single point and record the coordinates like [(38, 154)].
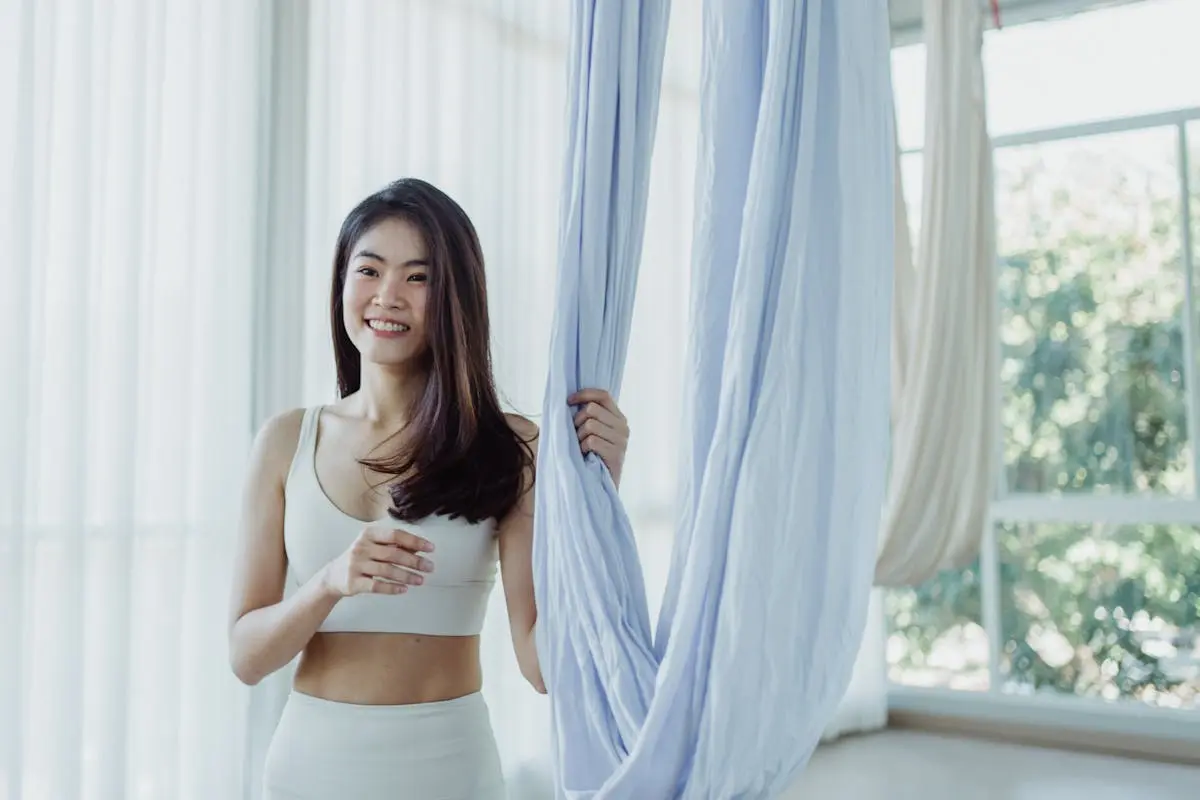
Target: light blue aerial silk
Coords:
[(785, 409)]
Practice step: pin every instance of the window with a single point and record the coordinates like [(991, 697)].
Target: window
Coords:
[(1103, 611), (908, 81), (1091, 295), (1123, 61), (911, 165), (938, 639), (1088, 583)]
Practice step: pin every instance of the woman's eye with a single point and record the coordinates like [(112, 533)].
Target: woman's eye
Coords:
[(419, 277), (368, 271)]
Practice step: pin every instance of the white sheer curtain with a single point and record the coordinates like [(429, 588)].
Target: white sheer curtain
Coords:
[(128, 161)]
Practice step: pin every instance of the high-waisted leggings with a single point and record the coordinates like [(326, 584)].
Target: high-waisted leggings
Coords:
[(325, 750)]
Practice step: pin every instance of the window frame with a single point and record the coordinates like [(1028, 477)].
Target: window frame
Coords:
[(1085, 714), (909, 28)]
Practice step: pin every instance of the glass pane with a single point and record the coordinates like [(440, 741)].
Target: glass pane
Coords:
[(911, 167), (1123, 61), (936, 636), (1102, 611), (908, 88), (655, 535), (1091, 288)]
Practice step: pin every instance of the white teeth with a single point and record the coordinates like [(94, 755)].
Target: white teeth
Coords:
[(381, 325)]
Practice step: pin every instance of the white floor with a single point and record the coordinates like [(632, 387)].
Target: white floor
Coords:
[(906, 765)]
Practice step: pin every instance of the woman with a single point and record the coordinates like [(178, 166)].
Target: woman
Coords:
[(384, 515)]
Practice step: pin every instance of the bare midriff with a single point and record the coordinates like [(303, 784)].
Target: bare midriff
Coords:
[(389, 668)]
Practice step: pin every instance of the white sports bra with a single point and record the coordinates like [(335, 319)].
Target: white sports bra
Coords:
[(451, 601)]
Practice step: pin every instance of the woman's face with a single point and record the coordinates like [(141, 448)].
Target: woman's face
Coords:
[(384, 296)]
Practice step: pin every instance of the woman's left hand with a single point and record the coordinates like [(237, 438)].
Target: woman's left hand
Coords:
[(602, 428)]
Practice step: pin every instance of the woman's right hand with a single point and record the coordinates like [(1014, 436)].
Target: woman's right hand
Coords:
[(380, 561)]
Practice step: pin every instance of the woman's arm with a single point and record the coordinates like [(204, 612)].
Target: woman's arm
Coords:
[(515, 533), (602, 429), (265, 631)]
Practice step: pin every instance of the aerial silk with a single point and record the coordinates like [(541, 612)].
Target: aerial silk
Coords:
[(786, 407)]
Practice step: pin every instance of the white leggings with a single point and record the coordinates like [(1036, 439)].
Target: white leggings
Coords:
[(324, 750)]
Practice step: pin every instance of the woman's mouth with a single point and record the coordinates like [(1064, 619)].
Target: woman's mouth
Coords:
[(387, 329)]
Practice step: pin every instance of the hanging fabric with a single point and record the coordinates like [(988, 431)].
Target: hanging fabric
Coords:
[(944, 372), (785, 413)]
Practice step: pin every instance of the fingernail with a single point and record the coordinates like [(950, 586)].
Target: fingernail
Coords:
[(426, 565), (417, 579)]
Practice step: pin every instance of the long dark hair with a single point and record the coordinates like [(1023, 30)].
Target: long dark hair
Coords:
[(459, 457)]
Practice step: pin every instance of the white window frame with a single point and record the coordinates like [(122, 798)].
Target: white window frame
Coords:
[(1088, 715), (908, 27)]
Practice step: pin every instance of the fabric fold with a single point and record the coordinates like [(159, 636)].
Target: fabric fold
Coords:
[(786, 416)]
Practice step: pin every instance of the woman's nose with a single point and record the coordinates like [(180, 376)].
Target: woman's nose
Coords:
[(391, 292)]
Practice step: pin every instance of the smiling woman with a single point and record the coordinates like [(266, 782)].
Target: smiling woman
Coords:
[(375, 283), (387, 513), (382, 301), (409, 256)]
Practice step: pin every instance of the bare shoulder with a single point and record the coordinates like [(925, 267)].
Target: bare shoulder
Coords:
[(276, 442), (523, 427)]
